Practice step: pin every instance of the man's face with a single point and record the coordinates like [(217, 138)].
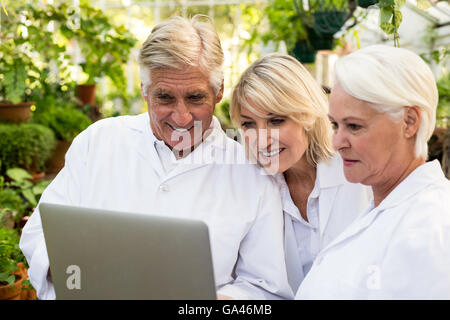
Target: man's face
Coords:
[(180, 103)]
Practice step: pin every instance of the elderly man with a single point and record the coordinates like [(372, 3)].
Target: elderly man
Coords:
[(176, 161)]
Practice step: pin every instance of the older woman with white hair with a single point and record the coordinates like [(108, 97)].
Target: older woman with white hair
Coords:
[(283, 114), (382, 108)]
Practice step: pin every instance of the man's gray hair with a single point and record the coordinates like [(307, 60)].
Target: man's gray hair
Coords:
[(179, 42)]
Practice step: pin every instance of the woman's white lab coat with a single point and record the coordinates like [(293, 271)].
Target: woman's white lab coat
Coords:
[(398, 250), (340, 202)]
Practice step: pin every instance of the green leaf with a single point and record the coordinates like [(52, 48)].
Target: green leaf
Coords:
[(29, 195), (8, 278), (386, 25), (423, 4), (399, 3), (18, 174), (386, 3), (40, 187), (398, 19)]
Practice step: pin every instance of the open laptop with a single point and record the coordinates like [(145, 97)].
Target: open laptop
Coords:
[(101, 254)]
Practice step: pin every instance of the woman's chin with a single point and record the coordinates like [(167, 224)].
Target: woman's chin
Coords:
[(352, 176)]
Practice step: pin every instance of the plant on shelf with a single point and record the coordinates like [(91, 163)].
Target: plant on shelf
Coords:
[(25, 145), (306, 28), (14, 283), (22, 183), (104, 45), (19, 74), (10, 255), (284, 24), (12, 207), (66, 121)]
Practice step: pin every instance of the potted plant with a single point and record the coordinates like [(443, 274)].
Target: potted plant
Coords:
[(19, 74), (25, 145), (284, 25), (106, 48), (366, 3), (11, 277), (323, 19), (66, 121)]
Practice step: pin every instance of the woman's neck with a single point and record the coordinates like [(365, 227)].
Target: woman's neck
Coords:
[(302, 173), (382, 190)]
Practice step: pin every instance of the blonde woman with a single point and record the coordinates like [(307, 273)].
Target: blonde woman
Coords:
[(283, 115)]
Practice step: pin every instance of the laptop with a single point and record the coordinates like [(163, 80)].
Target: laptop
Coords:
[(101, 254)]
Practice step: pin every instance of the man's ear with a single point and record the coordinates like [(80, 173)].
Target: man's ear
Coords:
[(219, 96), (411, 120)]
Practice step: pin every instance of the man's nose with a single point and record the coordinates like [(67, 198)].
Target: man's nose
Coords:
[(181, 115)]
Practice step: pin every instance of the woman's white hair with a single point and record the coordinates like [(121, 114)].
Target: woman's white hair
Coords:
[(179, 42), (391, 79)]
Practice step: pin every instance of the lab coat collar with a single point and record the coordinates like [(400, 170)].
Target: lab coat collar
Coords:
[(329, 177), (331, 173), (417, 180), (204, 154)]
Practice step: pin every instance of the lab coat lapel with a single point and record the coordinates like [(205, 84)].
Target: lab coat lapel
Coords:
[(326, 200), (206, 153), (330, 176), (356, 227), (142, 140), (293, 262), (413, 184)]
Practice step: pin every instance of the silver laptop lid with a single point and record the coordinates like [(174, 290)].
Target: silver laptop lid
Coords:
[(100, 254)]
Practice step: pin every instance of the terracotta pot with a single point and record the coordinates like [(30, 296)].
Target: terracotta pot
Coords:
[(37, 176), (56, 161), (8, 293), (26, 293), (15, 112), (86, 93)]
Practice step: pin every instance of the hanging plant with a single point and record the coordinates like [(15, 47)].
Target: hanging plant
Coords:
[(391, 16), (323, 19)]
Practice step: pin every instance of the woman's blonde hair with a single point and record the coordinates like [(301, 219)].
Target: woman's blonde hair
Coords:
[(179, 42), (279, 84), (391, 79)]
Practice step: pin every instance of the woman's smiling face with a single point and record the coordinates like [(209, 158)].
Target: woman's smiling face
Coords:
[(277, 142)]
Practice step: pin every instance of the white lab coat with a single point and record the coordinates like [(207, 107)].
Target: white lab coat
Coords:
[(340, 202), (114, 165), (398, 250)]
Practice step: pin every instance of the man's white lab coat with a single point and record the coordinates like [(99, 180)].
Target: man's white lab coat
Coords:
[(114, 165), (398, 250)]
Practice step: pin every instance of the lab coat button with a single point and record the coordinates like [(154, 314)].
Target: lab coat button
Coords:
[(164, 187)]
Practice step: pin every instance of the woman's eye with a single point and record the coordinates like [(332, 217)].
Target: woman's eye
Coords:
[(334, 125), (276, 122), (354, 127), (246, 124)]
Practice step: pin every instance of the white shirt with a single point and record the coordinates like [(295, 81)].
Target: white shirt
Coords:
[(166, 156), (397, 250), (332, 205), (114, 165)]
